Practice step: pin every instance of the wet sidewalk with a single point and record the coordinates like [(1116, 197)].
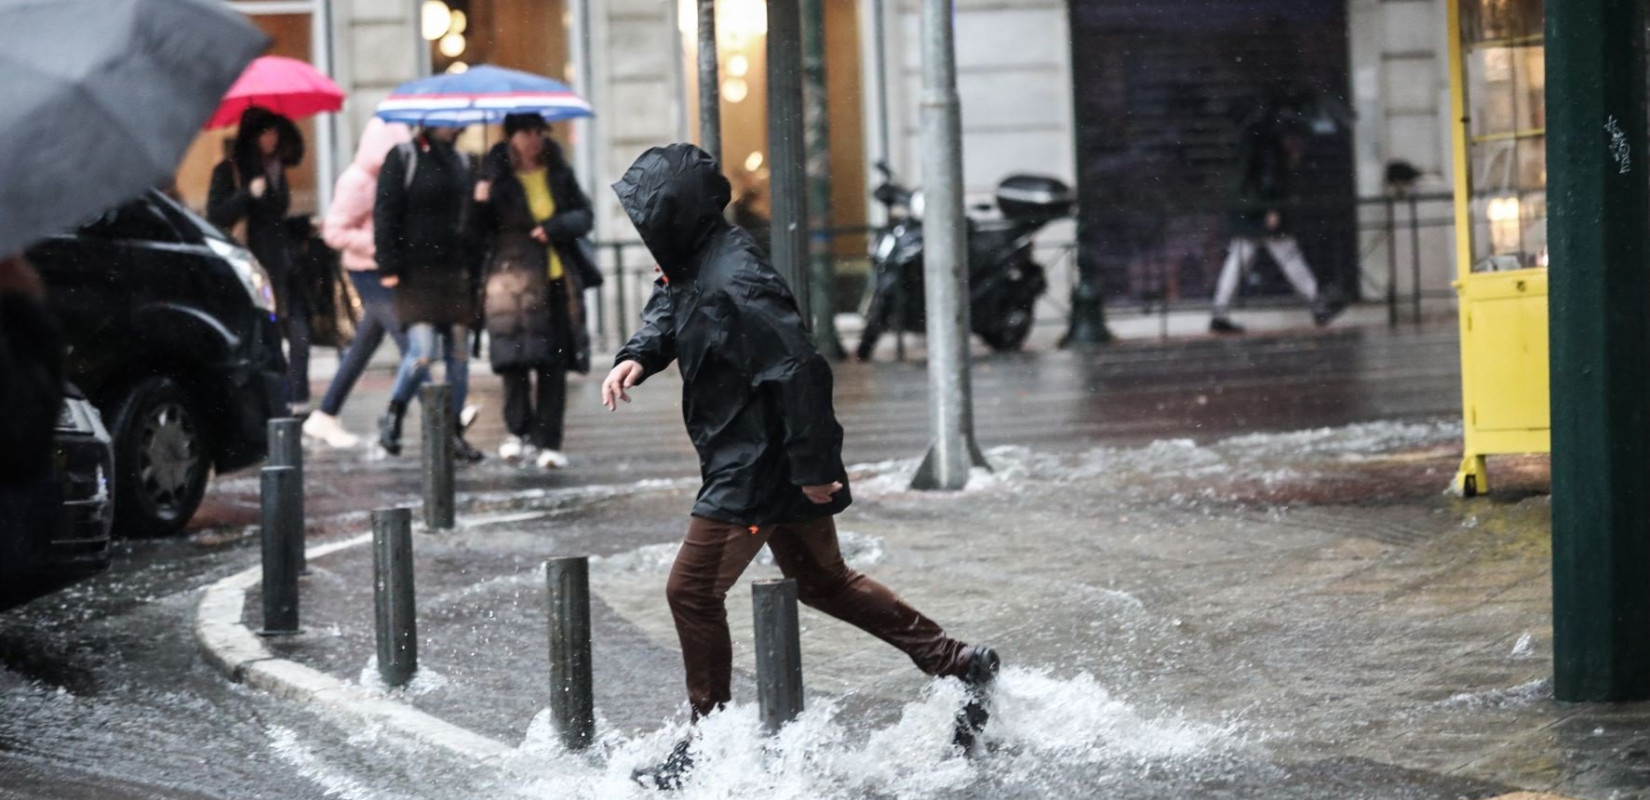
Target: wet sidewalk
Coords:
[(1264, 615)]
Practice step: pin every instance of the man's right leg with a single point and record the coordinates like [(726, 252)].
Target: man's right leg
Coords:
[(712, 557)]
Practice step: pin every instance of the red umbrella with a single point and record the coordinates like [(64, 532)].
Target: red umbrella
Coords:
[(283, 85)]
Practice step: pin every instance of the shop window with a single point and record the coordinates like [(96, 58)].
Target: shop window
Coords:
[(1505, 59)]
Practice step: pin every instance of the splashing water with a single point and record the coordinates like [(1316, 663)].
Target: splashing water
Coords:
[(1521, 695), (1038, 720), (424, 681)]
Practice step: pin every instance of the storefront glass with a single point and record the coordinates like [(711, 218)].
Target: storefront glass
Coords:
[(1505, 60)]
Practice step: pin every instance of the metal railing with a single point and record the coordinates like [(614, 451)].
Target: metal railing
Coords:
[(1390, 232)]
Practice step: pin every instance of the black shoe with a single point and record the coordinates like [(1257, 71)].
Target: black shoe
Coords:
[(1325, 313), (983, 666), (464, 452), (1224, 326), (389, 433), (669, 774)]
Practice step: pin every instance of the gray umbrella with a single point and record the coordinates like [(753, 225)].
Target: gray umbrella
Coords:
[(101, 98)]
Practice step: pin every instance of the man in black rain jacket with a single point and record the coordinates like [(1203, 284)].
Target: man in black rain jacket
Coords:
[(756, 398)]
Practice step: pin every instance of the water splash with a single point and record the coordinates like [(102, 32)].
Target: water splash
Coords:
[(424, 681), (1521, 695), (827, 753)]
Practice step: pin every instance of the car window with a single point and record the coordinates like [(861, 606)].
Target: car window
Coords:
[(135, 221)]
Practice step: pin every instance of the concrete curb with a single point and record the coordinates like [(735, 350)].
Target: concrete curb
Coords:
[(230, 646)]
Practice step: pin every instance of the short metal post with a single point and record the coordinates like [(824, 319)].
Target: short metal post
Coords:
[(437, 399), (282, 535), (572, 707), (1391, 264), (778, 653), (286, 449), (393, 595), (1415, 258), (619, 288)]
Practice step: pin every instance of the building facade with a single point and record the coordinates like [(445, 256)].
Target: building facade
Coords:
[(1057, 87)]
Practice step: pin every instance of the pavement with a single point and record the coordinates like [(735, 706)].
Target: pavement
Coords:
[(1220, 568)]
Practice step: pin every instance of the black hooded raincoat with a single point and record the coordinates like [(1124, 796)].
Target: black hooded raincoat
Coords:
[(756, 394)]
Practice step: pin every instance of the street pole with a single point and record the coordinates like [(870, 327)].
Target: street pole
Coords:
[(1597, 201), (710, 83), (778, 653), (436, 400), (785, 149), (394, 600), (282, 537), (945, 262), (1086, 326), (817, 116), (286, 449), (572, 709)]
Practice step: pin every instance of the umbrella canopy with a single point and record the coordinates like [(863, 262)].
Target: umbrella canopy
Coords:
[(480, 94), (286, 86), (102, 98)]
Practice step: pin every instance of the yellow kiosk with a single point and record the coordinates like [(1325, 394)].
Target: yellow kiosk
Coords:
[(1498, 99)]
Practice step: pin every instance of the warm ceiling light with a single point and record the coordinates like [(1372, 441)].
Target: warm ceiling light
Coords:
[(460, 24), (458, 66), (735, 90), (739, 65), (452, 45), (754, 161), (435, 19)]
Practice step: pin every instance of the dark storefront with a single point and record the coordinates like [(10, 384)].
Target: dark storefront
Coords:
[(1164, 91)]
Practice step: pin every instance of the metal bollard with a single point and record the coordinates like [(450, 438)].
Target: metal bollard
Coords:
[(778, 653), (283, 531), (393, 597), (437, 400), (572, 709), (286, 449)]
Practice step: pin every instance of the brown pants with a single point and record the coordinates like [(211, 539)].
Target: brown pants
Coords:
[(716, 553)]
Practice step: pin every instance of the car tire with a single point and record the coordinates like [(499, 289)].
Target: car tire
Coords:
[(161, 458)]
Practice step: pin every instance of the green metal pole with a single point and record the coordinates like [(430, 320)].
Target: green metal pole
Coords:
[(1598, 201), (817, 143)]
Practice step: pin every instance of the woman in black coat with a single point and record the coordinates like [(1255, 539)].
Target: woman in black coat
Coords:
[(532, 214), (419, 218), (251, 185)]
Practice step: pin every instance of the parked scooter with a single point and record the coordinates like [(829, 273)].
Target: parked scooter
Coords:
[(1004, 281)]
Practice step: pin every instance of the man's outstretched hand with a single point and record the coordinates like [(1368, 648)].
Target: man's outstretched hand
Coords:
[(822, 495), (618, 382)]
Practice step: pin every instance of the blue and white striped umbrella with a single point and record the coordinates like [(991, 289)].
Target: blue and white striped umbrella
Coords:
[(483, 94)]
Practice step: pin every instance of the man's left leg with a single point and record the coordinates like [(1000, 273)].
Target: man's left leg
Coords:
[(1287, 252)]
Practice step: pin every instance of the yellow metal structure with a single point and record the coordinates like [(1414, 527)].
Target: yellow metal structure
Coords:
[(1503, 314)]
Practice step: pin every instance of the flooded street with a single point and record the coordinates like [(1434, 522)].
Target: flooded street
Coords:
[(1214, 569)]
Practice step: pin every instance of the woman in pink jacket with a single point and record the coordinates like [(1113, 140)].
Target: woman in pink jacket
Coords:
[(348, 229)]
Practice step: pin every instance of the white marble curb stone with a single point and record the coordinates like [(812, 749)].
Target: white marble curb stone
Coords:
[(230, 646)]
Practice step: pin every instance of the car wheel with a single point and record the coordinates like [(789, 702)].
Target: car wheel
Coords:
[(161, 462)]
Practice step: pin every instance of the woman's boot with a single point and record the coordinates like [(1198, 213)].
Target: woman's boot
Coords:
[(389, 428)]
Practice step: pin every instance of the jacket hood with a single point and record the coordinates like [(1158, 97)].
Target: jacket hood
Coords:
[(377, 140), (675, 196), (254, 121)]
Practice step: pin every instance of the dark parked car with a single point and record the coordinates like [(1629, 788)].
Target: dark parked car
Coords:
[(57, 526), (171, 334)]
